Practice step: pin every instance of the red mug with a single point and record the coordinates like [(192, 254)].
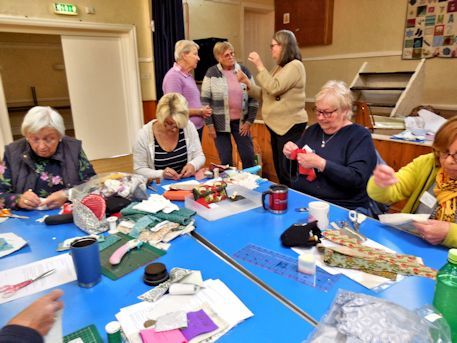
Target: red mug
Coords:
[(278, 199)]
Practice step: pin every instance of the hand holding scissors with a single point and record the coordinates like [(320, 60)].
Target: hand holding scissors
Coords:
[(10, 290)]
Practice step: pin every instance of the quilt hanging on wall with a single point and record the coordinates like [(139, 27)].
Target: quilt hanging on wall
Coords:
[(431, 29)]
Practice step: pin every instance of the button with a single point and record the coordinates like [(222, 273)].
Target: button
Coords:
[(278, 98)]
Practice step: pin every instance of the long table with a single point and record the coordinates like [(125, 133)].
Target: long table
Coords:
[(272, 321), (231, 234)]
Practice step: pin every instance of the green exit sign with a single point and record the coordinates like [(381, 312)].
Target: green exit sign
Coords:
[(67, 9)]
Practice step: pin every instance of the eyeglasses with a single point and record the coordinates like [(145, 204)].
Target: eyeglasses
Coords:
[(273, 45), (325, 114), (48, 141), (444, 155), (228, 55)]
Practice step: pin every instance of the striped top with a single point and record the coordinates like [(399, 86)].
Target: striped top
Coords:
[(175, 159)]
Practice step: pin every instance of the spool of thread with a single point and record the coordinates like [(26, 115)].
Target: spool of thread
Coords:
[(113, 330), (112, 222), (182, 288)]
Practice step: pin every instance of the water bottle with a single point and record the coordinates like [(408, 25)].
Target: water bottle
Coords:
[(446, 292)]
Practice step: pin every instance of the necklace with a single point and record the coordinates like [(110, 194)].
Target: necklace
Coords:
[(324, 142)]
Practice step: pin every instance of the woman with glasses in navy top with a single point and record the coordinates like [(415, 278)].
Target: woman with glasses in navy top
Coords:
[(340, 153)]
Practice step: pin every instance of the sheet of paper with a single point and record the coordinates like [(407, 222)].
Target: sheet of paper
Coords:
[(370, 281), (14, 240), (403, 221), (65, 272), (55, 335)]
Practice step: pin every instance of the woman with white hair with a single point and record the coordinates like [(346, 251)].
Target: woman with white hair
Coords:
[(38, 170), (341, 153), (168, 147), (179, 79)]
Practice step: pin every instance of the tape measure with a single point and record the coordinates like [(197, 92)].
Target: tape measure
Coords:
[(286, 266)]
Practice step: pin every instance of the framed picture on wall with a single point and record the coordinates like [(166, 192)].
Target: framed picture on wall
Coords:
[(430, 29)]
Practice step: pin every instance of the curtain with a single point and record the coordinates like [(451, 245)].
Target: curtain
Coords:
[(168, 29)]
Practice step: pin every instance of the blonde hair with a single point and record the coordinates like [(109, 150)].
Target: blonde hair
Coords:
[(184, 46), (40, 117), (220, 48), (173, 105), (338, 94)]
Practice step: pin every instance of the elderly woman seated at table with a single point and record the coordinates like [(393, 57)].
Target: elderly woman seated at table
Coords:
[(429, 183), (341, 155), (38, 170), (168, 147)]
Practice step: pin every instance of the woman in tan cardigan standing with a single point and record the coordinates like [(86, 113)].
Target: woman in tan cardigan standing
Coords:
[(282, 92)]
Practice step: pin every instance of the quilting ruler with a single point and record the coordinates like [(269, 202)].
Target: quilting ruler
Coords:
[(88, 334), (285, 266)]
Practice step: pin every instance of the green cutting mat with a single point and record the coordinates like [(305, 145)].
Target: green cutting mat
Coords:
[(89, 334), (131, 261)]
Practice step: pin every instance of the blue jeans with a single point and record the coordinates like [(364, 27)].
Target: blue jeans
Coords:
[(243, 143)]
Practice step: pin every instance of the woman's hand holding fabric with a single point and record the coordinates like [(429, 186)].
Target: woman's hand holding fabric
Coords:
[(384, 176), (170, 173), (288, 148), (433, 231), (55, 200), (188, 170), (29, 200), (245, 129), (311, 160)]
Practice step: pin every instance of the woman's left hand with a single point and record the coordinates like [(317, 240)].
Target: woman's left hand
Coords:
[(311, 160), (245, 129), (255, 58), (188, 170), (55, 200), (433, 231)]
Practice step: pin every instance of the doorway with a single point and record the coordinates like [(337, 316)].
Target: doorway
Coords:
[(101, 73), (33, 73)]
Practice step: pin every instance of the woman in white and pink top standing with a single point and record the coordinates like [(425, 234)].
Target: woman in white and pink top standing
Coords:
[(233, 110)]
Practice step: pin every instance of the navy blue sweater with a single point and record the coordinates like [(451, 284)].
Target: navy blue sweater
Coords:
[(19, 334), (350, 159)]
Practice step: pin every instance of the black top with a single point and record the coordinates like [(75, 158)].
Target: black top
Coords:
[(350, 159), (175, 159), (19, 334)]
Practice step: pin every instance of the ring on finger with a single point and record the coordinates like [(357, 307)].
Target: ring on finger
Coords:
[(26, 202)]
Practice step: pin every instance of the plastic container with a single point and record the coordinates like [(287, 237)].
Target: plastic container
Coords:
[(225, 208), (446, 292)]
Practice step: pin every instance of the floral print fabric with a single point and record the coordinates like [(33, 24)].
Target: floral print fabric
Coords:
[(48, 173)]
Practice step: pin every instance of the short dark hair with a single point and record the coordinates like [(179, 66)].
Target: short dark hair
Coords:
[(290, 50)]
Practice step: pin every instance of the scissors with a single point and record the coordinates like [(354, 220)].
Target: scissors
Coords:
[(10, 290), (7, 213), (356, 218)]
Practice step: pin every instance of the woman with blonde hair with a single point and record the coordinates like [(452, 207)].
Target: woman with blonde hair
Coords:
[(429, 183), (168, 147)]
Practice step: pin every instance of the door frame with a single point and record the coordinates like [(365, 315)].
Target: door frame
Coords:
[(127, 35)]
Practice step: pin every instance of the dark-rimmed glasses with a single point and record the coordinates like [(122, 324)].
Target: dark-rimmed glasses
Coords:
[(325, 114), (444, 155)]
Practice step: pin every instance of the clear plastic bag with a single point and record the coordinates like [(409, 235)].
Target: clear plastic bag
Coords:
[(361, 318), (129, 186)]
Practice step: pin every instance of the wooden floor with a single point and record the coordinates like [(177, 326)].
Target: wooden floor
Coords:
[(114, 164)]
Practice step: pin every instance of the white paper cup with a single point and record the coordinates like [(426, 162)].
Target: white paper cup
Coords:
[(319, 210)]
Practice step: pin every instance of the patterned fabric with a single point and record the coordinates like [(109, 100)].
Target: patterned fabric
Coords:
[(357, 318), (48, 173), (175, 159), (356, 256), (206, 194), (446, 195)]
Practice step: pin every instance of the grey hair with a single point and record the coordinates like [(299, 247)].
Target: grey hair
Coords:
[(184, 46), (40, 117), (338, 94), (173, 105)]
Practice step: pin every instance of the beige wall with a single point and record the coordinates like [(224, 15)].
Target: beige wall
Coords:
[(371, 27), (135, 12)]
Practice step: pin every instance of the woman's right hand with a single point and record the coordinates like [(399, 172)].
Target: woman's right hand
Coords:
[(170, 173), (212, 131), (206, 111), (29, 200), (255, 58), (243, 78), (384, 176), (288, 148)]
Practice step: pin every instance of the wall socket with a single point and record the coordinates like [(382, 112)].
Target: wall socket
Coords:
[(90, 10)]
